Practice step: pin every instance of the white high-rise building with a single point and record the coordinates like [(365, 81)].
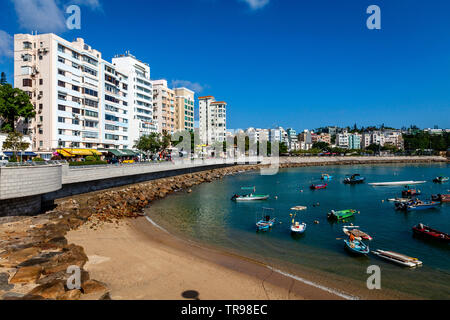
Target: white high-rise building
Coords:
[(140, 92), (81, 100), (212, 120), (114, 109), (64, 83)]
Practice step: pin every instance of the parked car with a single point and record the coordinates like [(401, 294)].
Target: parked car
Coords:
[(3, 159)]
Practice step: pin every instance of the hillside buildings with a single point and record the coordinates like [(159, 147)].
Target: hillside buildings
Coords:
[(212, 120), (349, 140)]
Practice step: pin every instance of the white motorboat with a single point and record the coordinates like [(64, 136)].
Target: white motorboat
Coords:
[(398, 258), (396, 183)]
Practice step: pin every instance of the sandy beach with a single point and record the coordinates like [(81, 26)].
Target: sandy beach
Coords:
[(139, 261)]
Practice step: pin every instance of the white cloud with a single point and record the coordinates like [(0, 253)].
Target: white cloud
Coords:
[(47, 15), (91, 4), (194, 86), (40, 15), (6, 45), (256, 4)]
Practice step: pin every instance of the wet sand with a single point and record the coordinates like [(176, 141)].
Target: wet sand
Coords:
[(141, 262)]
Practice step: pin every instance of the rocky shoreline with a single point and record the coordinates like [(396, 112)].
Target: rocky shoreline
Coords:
[(34, 251)]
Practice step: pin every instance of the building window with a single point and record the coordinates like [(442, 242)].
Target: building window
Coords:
[(41, 82), (90, 92), (61, 108), (89, 113), (61, 48), (26, 70), (75, 122), (75, 110), (27, 57), (61, 132), (61, 120), (27, 45), (27, 82), (61, 72), (61, 83), (61, 59)]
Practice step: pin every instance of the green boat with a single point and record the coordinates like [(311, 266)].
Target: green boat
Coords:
[(340, 215), (441, 179), (251, 196)]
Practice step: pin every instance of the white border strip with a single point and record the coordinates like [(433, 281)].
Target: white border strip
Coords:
[(335, 292)]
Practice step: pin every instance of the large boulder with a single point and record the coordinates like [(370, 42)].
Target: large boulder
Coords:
[(27, 275), (51, 290), (12, 260)]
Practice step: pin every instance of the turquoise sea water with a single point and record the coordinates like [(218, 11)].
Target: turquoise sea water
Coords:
[(208, 216)]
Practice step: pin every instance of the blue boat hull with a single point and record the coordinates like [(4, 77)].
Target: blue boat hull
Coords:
[(422, 207), (359, 249)]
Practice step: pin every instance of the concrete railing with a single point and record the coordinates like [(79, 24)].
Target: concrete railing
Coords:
[(77, 174), (19, 182)]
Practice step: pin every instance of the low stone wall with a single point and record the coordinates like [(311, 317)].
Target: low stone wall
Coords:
[(326, 161), (21, 206)]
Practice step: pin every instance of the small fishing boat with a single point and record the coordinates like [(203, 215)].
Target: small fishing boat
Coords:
[(266, 223), (318, 186), (358, 234), (415, 205), (429, 233), (340, 215), (441, 179), (441, 197), (354, 179), (398, 258), (327, 177), (396, 183), (297, 227), (357, 247), (250, 197), (411, 193)]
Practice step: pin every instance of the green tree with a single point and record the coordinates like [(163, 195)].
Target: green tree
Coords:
[(3, 79), (166, 140), (321, 145), (148, 144), (15, 143), (283, 148), (374, 147), (14, 103)]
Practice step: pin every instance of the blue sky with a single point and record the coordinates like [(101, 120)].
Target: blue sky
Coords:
[(300, 64)]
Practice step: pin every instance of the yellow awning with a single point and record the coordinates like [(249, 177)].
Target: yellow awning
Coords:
[(78, 152), (64, 153)]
